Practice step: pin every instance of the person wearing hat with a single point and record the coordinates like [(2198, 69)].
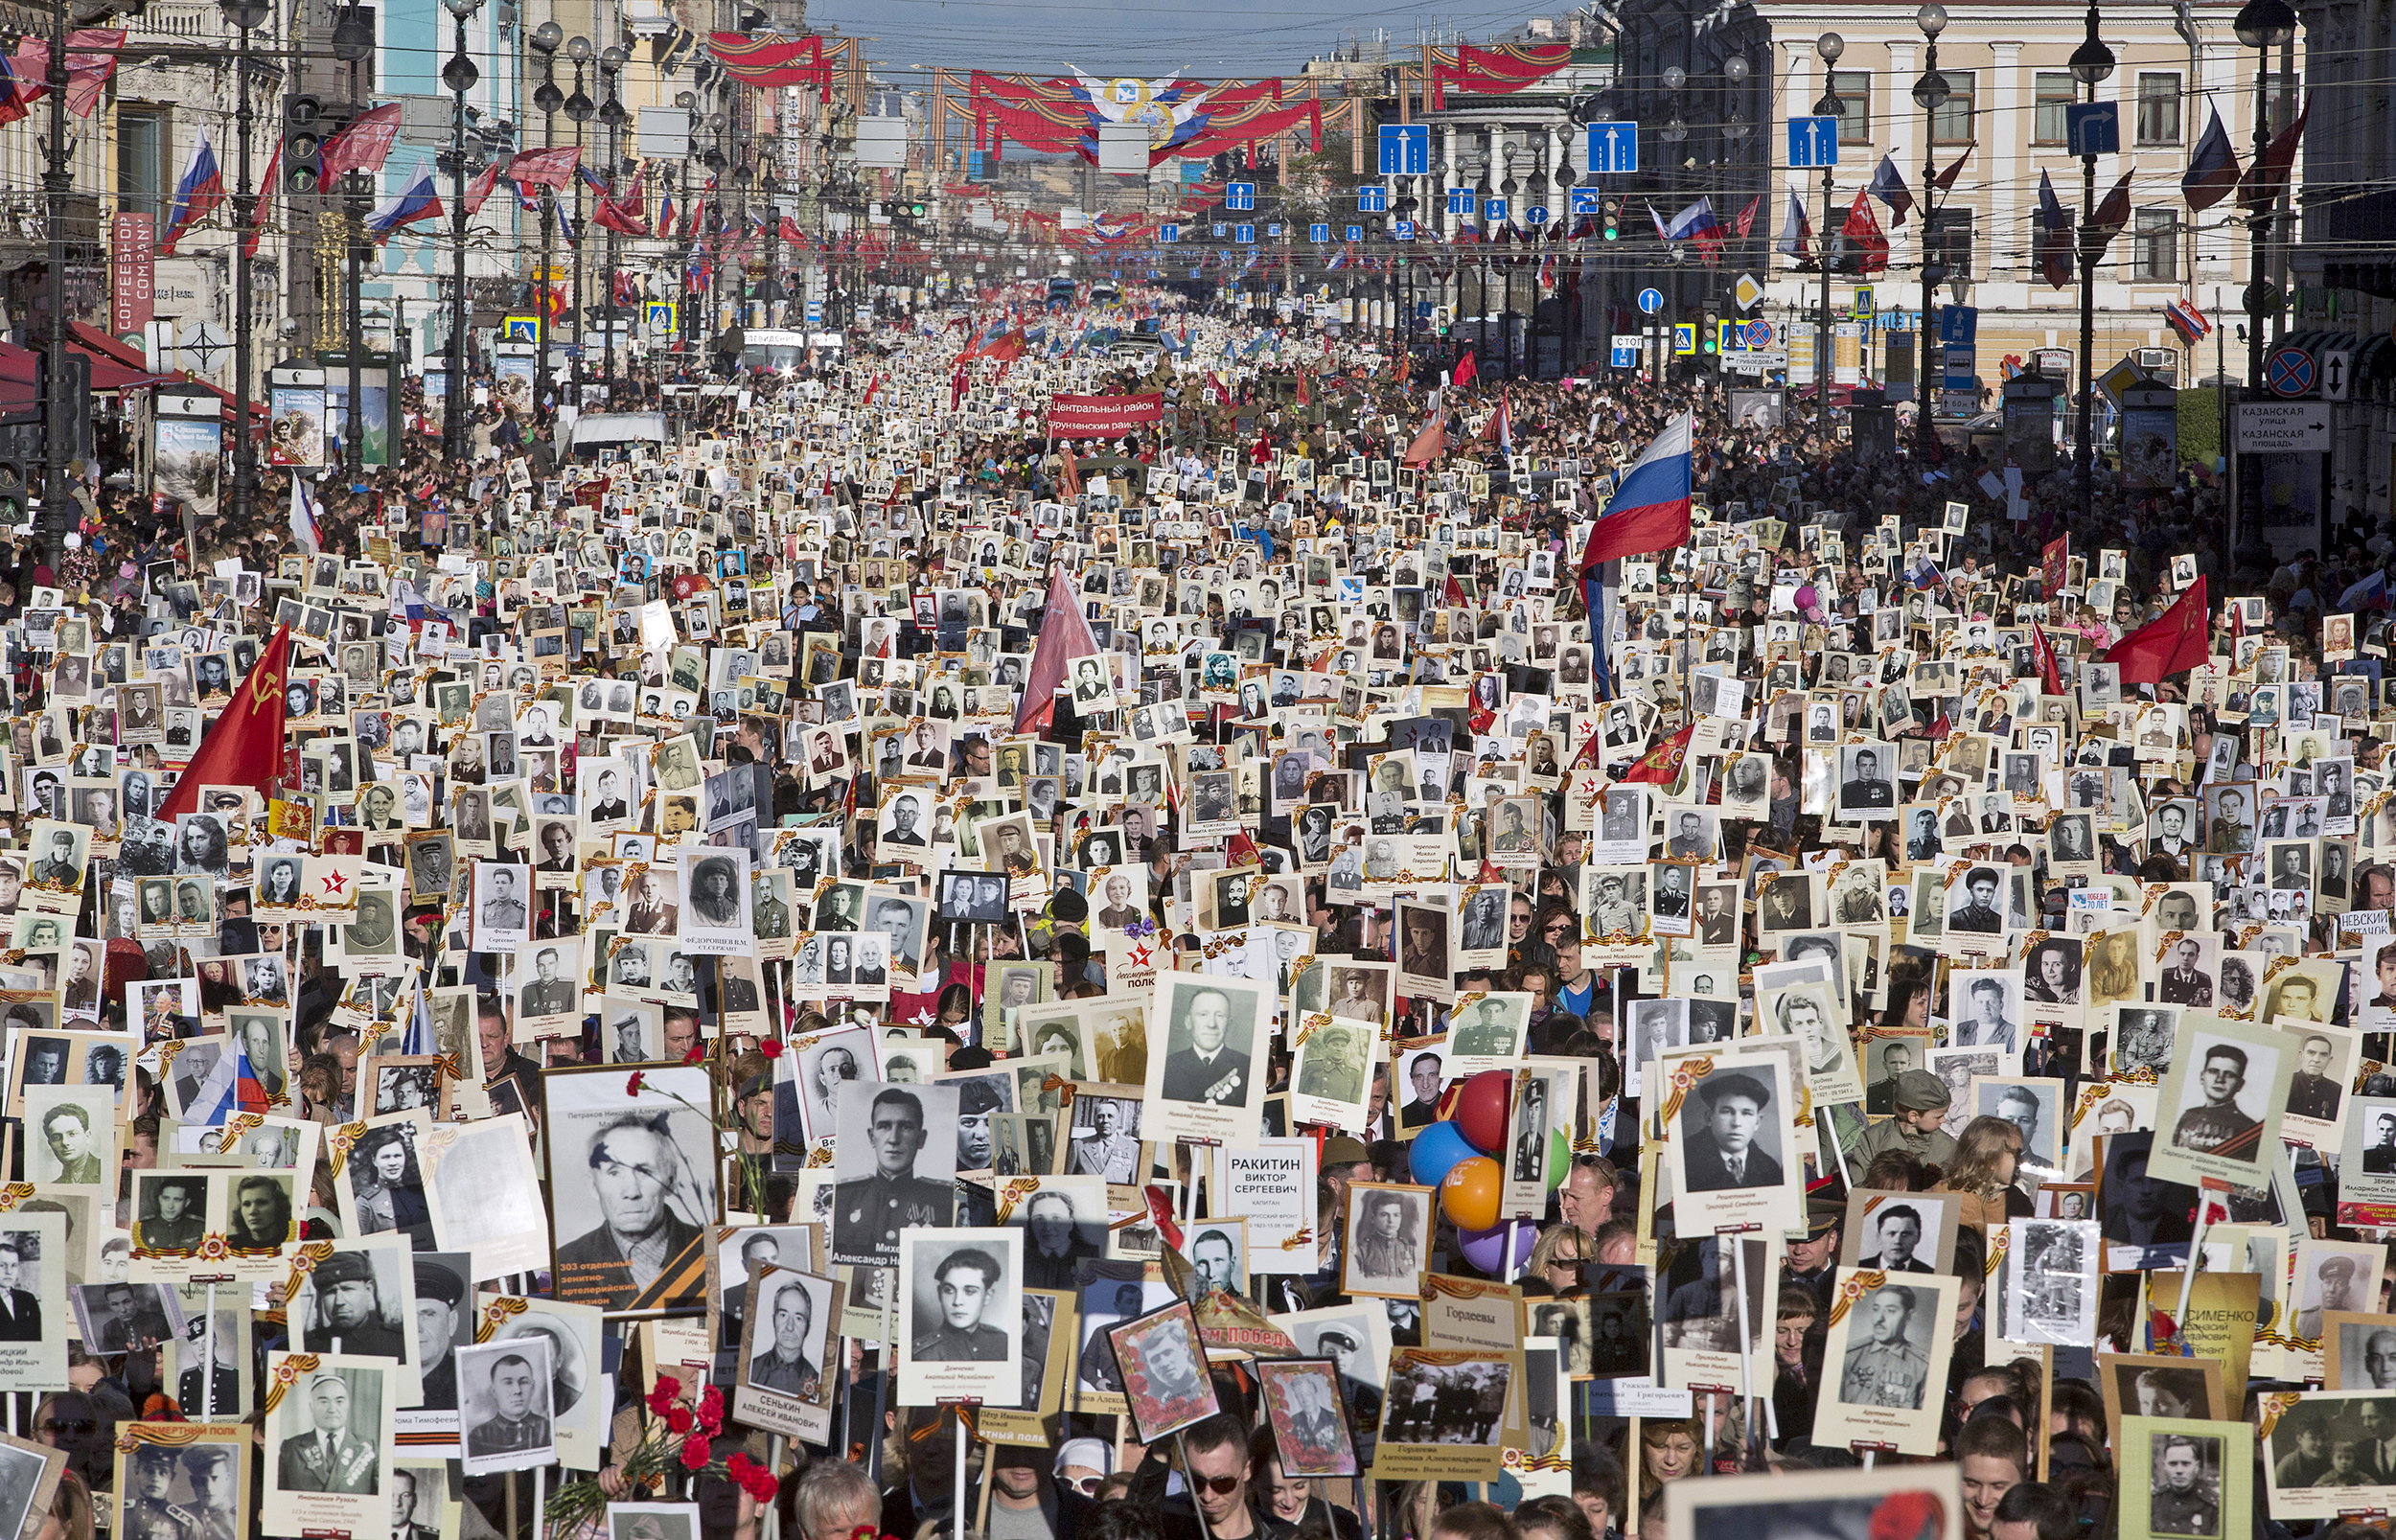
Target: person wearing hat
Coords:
[(212, 1472), (1721, 1155), (1811, 1264), (1914, 1129), (976, 1101), (200, 1394), (1081, 1464), (2337, 1273), (348, 1316), (1613, 914), (439, 1292), (329, 1457), (515, 1425), (148, 1512)]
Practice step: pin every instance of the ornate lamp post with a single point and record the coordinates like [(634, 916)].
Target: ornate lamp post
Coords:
[(2092, 65), (2262, 25), (1827, 47), (244, 16), (460, 76), (581, 108), (546, 39), (611, 60), (1930, 93), (352, 43)]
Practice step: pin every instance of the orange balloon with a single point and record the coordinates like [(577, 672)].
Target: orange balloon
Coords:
[(1471, 1191)]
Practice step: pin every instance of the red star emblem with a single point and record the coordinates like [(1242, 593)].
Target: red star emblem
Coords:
[(335, 883)]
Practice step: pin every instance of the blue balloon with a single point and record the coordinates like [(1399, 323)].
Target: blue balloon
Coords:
[(1436, 1150)]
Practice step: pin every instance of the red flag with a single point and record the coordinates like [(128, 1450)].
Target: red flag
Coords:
[(2050, 677), (2266, 178), (478, 191), (365, 145), (1304, 397), (1069, 472), (1864, 238), (2111, 215), (1064, 639), (1944, 180), (244, 748), (2054, 566), (1468, 370), (545, 168), (1455, 590), (1660, 765), (956, 387), (1432, 442), (1747, 216), (873, 388), (2176, 640)]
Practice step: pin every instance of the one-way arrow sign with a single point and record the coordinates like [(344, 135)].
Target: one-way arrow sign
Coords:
[(2338, 372)]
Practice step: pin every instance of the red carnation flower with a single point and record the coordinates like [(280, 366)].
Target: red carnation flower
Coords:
[(632, 1086), (678, 1418), (771, 1048), (698, 1052), (695, 1452)]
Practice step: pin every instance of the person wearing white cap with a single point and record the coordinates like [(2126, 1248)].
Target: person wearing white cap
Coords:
[(1082, 1463)]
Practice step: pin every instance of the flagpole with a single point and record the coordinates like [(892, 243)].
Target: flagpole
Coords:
[(245, 16)]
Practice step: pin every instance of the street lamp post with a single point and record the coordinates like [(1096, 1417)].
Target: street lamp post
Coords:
[(246, 16), (545, 40), (459, 75), (2091, 66), (58, 181), (2262, 25), (581, 108), (1827, 47), (1930, 93), (612, 61), (352, 43)]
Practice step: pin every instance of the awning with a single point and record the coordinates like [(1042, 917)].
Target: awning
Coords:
[(17, 376)]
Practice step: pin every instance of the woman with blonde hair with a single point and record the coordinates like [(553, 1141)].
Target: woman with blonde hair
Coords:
[(1987, 1155)]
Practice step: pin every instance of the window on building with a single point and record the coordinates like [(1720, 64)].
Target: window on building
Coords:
[(1855, 105), (1953, 122), (2057, 91), (142, 145), (2279, 93), (1950, 240), (2155, 246), (2159, 107)]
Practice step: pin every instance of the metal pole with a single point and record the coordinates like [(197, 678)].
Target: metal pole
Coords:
[(548, 228), (1822, 370), (2258, 262), (454, 437), (2084, 461), (615, 153), (244, 210), (1925, 432), (582, 237), (56, 180), (354, 430)]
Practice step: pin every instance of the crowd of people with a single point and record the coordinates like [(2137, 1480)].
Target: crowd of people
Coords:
[(1222, 980)]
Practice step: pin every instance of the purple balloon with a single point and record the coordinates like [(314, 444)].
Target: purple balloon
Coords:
[(1486, 1248)]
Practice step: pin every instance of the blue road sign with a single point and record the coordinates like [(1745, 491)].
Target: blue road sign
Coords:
[(1168, 234), (1402, 229), (1273, 232), (1959, 325), (1356, 232), (2288, 372), (1613, 148), (2093, 128), (1581, 200), (1373, 200), (1222, 230), (1462, 200), (1495, 207), (814, 312), (1405, 149), (1240, 195), (1650, 299), (1812, 141), (1537, 213), (1319, 233), (1245, 235), (1625, 353)]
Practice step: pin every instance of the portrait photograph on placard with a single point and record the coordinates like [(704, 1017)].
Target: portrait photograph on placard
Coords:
[(1308, 1416), (1163, 1366), (1885, 1359)]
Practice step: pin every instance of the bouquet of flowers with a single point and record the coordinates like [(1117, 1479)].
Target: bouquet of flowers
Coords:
[(680, 1441)]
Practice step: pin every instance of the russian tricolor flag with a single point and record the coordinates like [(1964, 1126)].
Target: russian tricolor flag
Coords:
[(411, 204), (196, 194), (1649, 509), (2190, 323)]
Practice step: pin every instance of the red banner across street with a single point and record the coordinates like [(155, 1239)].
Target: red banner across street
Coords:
[(1105, 417)]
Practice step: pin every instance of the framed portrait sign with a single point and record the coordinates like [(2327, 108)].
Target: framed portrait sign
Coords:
[(2219, 1110), (2157, 1385), (1203, 1082), (960, 1321), (199, 1468), (1835, 1502), (1163, 1362), (788, 1329), (1444, 1414), (1387, 1240), (630, 1174), (2316, 1452), (329, 1443), (1732, 1163), (1308, 1416), (1890, 1339), (2183, 1477)]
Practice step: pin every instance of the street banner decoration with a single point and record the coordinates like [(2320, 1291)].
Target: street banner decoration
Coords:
[(1103, 417), (772, 60), (1495, 71)]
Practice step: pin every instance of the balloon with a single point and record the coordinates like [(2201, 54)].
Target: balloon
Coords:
[(1486, 1248), (1434, 1151), (1481, 1109), (1805, 598), (1470, 1192), (1559, 1157)]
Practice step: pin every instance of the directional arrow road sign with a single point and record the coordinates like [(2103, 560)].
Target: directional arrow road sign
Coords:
[(1812, 141), (1613, 148)]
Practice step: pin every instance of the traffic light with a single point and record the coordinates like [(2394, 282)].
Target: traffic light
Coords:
[(13, 484), (1713, 332), (1613, 219), (303, 144)]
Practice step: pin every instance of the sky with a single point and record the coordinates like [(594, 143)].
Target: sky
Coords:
[(1201, 39)]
